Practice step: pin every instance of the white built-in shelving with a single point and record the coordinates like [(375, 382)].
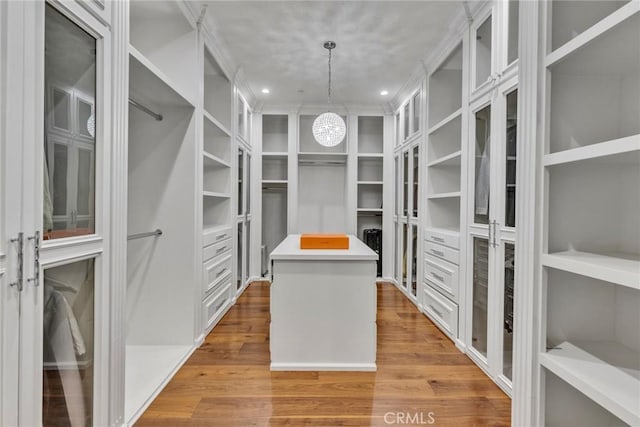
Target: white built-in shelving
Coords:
[(591, 257)]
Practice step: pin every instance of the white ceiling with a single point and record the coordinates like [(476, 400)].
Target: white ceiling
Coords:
[(278, 45)]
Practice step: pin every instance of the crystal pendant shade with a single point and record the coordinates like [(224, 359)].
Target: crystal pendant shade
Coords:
[(329, 129)]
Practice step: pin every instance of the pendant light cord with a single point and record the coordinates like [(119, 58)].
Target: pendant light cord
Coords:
[(329, 91)]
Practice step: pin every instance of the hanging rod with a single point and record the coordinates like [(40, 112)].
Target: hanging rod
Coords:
[(141, 107), (156, 232)]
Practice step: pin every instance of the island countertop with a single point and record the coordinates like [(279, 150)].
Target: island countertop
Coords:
[(289, 249)]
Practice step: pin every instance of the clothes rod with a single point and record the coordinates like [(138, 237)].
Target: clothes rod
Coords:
[(156, 232), (141, 107)]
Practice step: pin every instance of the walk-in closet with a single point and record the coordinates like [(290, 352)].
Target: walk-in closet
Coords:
[(319, 213)]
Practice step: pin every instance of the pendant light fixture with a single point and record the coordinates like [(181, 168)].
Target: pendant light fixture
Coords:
[(328, 128)]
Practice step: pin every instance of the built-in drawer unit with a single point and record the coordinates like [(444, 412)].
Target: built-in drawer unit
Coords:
[(444, 252), (441, 310), (215, 272), (217, 235), (217, 249), (443, 274), (443, 237), (215, 304)]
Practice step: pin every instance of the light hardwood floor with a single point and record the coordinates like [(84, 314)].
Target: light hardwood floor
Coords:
[(421, 378)]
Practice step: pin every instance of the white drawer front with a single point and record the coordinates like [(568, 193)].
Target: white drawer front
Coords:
[(443, 237), (448, 254), (215, 304), (216, 236), (443, 274), (217, 249), (215, 272), (441, 310)]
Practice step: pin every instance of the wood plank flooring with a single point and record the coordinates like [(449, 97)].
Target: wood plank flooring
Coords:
[(422, 379)]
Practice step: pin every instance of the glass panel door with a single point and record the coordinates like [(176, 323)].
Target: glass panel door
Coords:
[(482, 158), (415, 107), (507, 332), (405, 247), (405, 118), (483, 52), (240, 256), (414, 260), (240, 182), (480, 299), (513, 10), (510, 159), (416, 180), (405, 183), (69, 140), (68, 349)]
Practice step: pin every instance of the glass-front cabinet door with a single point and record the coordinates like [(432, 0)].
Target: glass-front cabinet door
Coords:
[(492, 217), (54, 277), (243, 264)]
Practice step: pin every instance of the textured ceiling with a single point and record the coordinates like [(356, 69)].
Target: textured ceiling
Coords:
[(278, 45)]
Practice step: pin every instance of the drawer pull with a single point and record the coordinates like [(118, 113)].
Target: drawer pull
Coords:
[(220, 250), (437, 239), (436, 311), (438, 253), (437, 276), (221, 272), (220, 237)]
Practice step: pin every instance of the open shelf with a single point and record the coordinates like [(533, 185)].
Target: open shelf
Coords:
[(216, 210), (445, 140), (150, 85), (444, 213), (216, 141), (275, 131), (217, 93), (370, 134), (370, 169), (215, 122), (274, 182), (600, 79), (621, 269), (576, 23), (606, 372), (216, 194), (275, 154), (161, 32), (445, 88), (322, 157), (443, 180), (370, 155), (452, 159), (211, 160), (617, 151), (370, 210), (274, 168), (216, 177), (452, 195), (369, 195), (370, 182), (447, 120)]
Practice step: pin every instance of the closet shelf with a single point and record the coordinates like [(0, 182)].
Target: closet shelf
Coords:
[(452, 159), (214, 160), (322, 157), (594, 32), (451, 195), (621, 269), (615, 387), (602, 150), (215, 194), (370, 155), (451, 117), (215, 122), (370, 182), (274, 182), (275, 154), (154, 88), (364, 210)]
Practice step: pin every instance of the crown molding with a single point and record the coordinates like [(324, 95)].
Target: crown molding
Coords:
[(313, 109), (242, 85)]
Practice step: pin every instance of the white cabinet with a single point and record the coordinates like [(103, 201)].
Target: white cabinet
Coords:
[(54, 259), (589, 355)]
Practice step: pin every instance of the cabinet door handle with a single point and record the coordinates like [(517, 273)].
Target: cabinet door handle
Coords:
[(221, 272), (19, 276), (437, 239), (36, 259), (220, 237), (437, 276), (220, 250)]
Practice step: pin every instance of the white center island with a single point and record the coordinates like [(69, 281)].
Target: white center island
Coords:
[(323, 307)]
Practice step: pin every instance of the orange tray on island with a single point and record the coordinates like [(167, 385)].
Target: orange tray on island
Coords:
[(324, 241)]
